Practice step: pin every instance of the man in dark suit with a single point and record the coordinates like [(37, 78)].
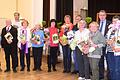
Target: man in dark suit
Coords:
[(9, 45), (103, 29)]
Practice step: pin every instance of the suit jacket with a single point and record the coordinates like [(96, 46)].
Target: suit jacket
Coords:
[(13, 32), (106, 27)]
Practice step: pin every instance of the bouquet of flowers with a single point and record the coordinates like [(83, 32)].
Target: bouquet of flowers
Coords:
[(86, 45), (8, 37), (64, 40), (22, 37)]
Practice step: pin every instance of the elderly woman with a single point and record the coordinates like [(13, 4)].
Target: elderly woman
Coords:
[(24, 44), (37, 46), (97, 41), (65, 28), (81, 36)]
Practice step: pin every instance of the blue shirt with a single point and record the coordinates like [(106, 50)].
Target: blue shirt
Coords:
[(41, 34)]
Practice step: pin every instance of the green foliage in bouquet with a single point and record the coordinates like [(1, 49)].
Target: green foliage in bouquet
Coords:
[(59, 24), (44, 24), (88, 20)]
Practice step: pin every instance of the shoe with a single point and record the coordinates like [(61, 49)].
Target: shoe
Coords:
[(14, 70), (28, 69), (49, 70), (34, 69), (54, 69), (74, 72), (7, 70), (64, 71), (22, 69), (81, 78), (68, 71)]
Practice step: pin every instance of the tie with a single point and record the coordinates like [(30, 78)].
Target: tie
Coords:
[(101, 26)]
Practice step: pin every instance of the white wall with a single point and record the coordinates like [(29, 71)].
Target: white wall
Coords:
[(37, 11), (7, 8), (52, 9), (78, 5), (25, 10)]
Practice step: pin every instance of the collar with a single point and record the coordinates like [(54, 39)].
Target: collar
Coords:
[(103, 21), (8, 27)]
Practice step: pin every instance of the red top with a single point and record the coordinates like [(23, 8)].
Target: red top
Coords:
[(53, 31)]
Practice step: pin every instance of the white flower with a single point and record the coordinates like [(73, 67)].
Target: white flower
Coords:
[(91, 49)]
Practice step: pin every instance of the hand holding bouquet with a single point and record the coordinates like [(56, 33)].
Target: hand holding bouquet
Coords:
[(35, 39)]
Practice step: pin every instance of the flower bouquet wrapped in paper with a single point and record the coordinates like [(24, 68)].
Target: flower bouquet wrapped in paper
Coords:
[(22, 37), (73, 44), (8, 37), (64, 40), (86, 45)]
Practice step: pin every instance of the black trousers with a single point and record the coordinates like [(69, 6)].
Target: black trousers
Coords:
[(22, 55), (37, 55), (83, 64), (52, 57), (101, 64), (10, 51)]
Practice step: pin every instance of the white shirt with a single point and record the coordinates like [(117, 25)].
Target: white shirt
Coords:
[(8, 27), (17, 24)]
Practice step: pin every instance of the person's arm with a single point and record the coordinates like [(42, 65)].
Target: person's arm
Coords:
[(102, 41), (2, 38)]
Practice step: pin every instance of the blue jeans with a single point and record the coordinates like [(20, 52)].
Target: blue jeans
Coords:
[(66, 58), (117, 68), (75, 60), (111, 67)]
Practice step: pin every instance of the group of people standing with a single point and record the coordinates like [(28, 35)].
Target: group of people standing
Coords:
[(90, 44)]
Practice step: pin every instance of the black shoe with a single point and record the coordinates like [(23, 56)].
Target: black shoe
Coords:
[(22, 69), (14, 70), (28, 69), (74, 72), (68, 71), (7, 70), (54, 69), (64, 71), (49, 70), (34, 69)]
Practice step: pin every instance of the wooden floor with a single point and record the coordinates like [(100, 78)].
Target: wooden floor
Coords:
[(35, 75)]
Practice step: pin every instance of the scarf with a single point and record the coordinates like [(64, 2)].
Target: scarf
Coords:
[(23, 35)]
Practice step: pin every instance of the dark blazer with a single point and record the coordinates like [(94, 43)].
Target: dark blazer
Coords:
[(106, 27), (75, 28), (13, 32)]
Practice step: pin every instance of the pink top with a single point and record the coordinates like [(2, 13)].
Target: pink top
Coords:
[(53, 31)]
